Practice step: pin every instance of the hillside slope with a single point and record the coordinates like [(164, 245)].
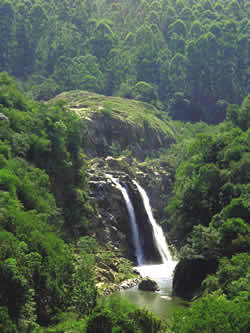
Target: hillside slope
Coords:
[(114, 124)]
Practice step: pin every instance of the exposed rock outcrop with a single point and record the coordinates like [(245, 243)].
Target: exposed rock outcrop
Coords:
[(148, 284), (3, 117), (189, 274), (118, 135), (111, 288), (114, 272), (114, 124), (113, 220)]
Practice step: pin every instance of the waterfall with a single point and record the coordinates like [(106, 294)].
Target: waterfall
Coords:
[(159, 237), (131, 212)]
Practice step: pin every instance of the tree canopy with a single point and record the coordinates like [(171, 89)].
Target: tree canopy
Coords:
[(102, 45)]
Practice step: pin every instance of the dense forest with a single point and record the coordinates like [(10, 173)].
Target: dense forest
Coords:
[(190, 61), (209, 216), (187, 57)]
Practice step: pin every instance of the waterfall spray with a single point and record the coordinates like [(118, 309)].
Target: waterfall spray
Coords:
[(131, 212)]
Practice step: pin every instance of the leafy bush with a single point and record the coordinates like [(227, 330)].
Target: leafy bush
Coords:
[(84, 289), (144, 91), (116, 314), (211, 182), (213, 314), (6, 325), (232, 276), (88, 244), (42, 188)]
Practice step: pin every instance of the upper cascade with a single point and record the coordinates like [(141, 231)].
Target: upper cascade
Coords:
[(159, 238)]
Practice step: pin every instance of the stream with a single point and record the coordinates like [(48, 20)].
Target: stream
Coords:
[(161, 303)]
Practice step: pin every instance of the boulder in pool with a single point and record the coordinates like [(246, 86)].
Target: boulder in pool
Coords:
[(148, 285)]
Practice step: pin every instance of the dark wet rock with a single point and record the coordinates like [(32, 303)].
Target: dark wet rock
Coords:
[(189, 275), (135, 271), (151, 253), (113, 221), (148, 284)]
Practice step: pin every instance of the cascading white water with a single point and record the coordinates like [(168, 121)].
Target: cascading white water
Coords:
[(159, 238), (131, 212), (163, 273)]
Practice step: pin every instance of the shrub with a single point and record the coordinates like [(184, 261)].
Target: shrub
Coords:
[(213, 314)]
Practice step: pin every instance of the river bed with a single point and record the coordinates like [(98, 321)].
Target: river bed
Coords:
[(161, 303)]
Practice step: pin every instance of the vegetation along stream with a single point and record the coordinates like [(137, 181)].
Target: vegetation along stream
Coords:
[(124, 166), (160, 302)]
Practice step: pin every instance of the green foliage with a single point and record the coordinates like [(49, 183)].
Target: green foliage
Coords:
[(68, 322), (231, 278), (102, 45), (145, 92), (40, 135), (235, 236), (126, 269), (212, 181), (84, 289), (9, 95), (212, 314), (178, 27), (205, 242), (115, 314), (209, 215), (189, 56), (6, 324), (240, 116), (42, 189), (88, 244)]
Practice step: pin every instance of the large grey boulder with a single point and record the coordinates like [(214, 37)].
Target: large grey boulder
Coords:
[(3, 117), (189, 275), (148, 285)]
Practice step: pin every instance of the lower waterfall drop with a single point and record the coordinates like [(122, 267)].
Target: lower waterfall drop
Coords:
[(159, 238), (160, 302), (131, 212), (162, 273)]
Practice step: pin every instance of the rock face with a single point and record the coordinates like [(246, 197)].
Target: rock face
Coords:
[(114, 273), (189, 274), (118, 135), (111, 288), (145, 229), (3, 117), (148, 285), (113, 223), (105, 134), (114, 124)]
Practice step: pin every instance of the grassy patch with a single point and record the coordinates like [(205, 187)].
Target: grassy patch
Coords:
[(68, 322), (136, 113)]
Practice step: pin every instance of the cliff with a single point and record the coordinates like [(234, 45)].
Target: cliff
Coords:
[(123, 138)]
